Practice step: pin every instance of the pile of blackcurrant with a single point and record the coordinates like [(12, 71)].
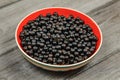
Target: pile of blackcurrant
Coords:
[(59, 40)]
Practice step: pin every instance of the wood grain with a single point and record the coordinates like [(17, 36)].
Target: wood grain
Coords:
[(106, 70), (111, 32), (12, 64), (4, 3)]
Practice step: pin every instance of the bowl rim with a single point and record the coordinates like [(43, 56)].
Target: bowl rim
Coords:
[(59, 66)]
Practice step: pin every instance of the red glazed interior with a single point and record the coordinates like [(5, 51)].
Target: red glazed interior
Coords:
[(65, 12)]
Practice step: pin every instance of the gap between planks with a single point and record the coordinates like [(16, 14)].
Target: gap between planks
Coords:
[(5, 3)]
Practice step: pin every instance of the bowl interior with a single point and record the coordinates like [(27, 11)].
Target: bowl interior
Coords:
[(61, 11)]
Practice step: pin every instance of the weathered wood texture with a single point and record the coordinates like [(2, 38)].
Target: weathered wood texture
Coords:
[(4, 3), (105, 65)]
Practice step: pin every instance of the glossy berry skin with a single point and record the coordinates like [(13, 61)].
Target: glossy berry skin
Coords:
[(59, 40)]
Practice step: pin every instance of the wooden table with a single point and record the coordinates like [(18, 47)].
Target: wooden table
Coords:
[(105, 65)]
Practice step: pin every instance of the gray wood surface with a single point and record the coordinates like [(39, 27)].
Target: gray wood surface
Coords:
[(4, 3), (109, 20), (105, 65)]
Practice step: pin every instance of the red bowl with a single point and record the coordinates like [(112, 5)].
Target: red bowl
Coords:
[(61, 11)]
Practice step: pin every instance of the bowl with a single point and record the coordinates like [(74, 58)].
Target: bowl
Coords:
[(66, 12)]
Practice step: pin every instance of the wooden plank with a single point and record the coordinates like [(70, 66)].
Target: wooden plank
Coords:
[(16, 68), (4, 3), (109, 18), (106, 70)]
